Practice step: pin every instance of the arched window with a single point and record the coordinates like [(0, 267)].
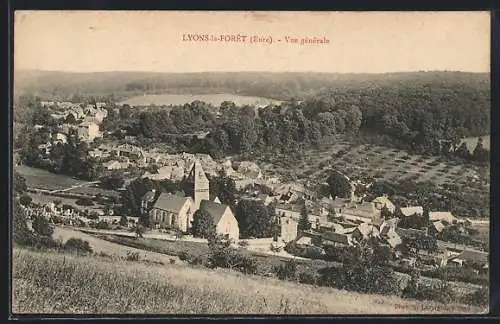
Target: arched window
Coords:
[(173, 220)]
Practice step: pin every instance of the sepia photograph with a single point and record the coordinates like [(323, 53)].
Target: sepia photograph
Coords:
[(250, 163)]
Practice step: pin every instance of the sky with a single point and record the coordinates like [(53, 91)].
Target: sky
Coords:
[(359, 42)]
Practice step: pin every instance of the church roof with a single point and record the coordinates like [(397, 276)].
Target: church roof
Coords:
[(169, 202)]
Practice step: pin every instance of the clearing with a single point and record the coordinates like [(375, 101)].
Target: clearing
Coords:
[(46, 282)]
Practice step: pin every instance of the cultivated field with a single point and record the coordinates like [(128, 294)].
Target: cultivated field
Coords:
[(379, 162), (63, 283), (179, 100)]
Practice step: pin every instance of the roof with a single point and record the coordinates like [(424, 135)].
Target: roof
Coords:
[(409, 232), (149, 196), (335, 237), (473, 256), (169, 202), (442, 216), (438, 226), (365, 209), (410, 211), (383, 200), (215, 210)]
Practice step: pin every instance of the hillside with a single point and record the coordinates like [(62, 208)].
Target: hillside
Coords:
[(56, 283), (212, 99)]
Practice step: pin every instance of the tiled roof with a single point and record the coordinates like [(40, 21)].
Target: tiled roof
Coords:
[(215, 210), (169, 202), (410, 211)]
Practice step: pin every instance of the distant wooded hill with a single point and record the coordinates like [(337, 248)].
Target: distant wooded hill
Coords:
[(280, 86)]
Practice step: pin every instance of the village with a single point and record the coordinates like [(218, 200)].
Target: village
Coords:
[(334, 221)]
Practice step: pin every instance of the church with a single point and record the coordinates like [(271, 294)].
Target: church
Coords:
[(172, 211)]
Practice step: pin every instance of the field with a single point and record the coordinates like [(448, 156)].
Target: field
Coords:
[(179, 100), (45, 282), (45, 180), (374, 161), (42, 179)]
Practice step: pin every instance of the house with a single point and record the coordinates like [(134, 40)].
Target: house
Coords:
[(413, 210), (392, 238), (115, 165), (288, 229), (388, 224), (249, 169), (223, 218), (134, 153), (443, 216), (364, 231), (76, 111), (382, 201), (436, 228), (88, 131), (60, 138), (410, 233), (476, 259), (293, 211), (364, 212)]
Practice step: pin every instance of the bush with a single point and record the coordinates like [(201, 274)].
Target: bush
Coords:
[(480, 297), (102, 225), (77, 245), (25, 200), (132, 256), (183, 256), (243, 243), (42, 227), (246, 264), (308, 278), (286, 271), (84, 202)]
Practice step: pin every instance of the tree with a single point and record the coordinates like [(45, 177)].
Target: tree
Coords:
[(303, 224), (224, 187), (131, 198), (254, 219), (385, 213), (203, 224), (463, 151), (21, 234), (19, 184), (123, 221), (339, 185), (480, 153), (112, 182), (25, 200), (42, 227)]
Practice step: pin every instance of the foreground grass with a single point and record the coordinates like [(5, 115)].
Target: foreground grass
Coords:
[(47, 282)]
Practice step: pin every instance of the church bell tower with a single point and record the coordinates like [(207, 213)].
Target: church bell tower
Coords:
[(201, 184)]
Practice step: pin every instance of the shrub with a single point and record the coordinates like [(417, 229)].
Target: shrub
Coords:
[(77, 245), (307, 277), (25, 200), (480, 297), (84, 202), (42, 226), (172, 261), (183, 256), (243, 243), (102, 225), (246, 264), (286, 271), (132, 256)]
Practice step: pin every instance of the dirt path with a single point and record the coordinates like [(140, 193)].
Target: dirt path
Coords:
[(112, 249)]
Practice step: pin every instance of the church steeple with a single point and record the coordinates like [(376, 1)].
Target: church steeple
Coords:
[(200, 182)]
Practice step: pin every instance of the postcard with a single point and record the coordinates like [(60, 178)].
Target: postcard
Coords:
[(250, 163)]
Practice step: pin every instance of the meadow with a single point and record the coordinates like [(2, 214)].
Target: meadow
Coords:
[(48, 282), (179, 100)]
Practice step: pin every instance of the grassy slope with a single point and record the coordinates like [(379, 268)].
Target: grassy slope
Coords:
[(55, 283)]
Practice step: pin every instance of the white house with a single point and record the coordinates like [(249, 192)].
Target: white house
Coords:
[(223, 217)]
